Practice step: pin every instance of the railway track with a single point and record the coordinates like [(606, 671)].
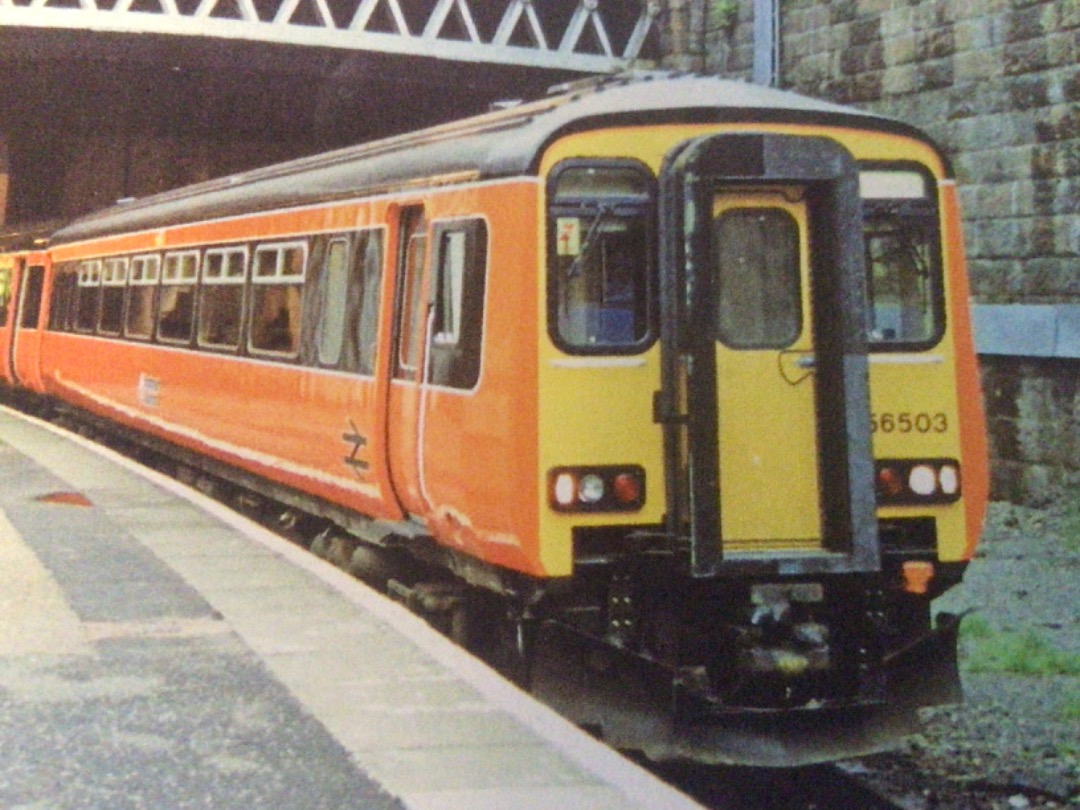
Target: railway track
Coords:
[(819, 787)]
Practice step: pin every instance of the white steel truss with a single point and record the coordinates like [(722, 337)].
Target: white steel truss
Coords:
[(577, 35)]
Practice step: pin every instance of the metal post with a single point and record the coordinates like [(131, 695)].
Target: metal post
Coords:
[(767, 42)]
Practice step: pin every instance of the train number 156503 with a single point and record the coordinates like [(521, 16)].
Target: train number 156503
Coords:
[(922, 422)]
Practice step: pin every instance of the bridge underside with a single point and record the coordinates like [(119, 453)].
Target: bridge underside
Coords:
[(91, 116)]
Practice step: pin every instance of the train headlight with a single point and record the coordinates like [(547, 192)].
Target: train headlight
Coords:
[(596, 488), (564, 490), (591, 489), (922, 480), (916, 481), (949, 479)]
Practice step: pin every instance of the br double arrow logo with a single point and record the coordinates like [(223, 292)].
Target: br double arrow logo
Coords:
[(358, 442)]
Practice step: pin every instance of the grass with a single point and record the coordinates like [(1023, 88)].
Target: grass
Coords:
[(1025, 652), (1070, 528), (1071, 709)]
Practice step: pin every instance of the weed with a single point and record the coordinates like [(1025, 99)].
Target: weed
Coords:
[(723, 14), (1070, 709), (1018, 652), (1070, 528)]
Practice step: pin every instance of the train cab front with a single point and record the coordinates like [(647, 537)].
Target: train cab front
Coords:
[(778, 612)]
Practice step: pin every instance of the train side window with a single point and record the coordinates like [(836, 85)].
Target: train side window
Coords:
[(142, 296), (88, 290), (367, 284), (113, 281), (221, 297), (178, 279), (5, 291), (756, 259), (460, 264), (903, 258), (600, 284), (277, 293), (30, 310), (333, 306), (65, 290)]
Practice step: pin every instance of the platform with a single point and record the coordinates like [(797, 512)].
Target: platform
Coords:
[(158, 651)]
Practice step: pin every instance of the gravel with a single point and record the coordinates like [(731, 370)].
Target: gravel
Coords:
[(1015, 741)]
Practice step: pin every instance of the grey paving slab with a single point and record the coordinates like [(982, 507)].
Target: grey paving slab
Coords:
[(140, 695), (530, 798), (443, 768), (391, 729), (352, 664)]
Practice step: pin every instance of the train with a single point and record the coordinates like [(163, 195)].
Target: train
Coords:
[(662, 385)]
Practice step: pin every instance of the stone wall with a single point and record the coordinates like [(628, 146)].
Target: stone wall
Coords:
[(1033, 410), (997, 84)]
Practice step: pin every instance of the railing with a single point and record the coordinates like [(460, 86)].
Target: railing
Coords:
[(592, 36)]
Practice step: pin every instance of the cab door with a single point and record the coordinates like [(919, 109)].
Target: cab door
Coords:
[(764, 396), (765, 384)]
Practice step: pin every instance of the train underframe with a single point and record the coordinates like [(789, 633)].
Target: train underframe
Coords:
[(744, 668), (748, 670)]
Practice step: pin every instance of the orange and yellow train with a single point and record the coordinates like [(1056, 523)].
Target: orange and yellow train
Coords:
[(678, 370)]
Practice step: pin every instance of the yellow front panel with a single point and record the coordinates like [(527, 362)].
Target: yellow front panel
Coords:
[(599, 410)]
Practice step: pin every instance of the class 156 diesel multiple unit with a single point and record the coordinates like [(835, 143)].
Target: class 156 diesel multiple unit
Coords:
[(667, 382)]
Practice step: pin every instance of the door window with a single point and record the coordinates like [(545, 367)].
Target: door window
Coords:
[(31, 304), (756, 258), (412, 252)]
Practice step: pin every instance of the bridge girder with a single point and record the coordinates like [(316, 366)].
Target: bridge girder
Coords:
[(583, 36)]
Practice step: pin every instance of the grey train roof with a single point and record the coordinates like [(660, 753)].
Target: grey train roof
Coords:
[(500, 144)]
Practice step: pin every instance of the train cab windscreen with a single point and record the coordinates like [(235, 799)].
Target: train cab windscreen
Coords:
[(600, 290), (903, 259)]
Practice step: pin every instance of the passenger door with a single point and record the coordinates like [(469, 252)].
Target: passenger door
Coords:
[(29, 325), (408, 357)]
